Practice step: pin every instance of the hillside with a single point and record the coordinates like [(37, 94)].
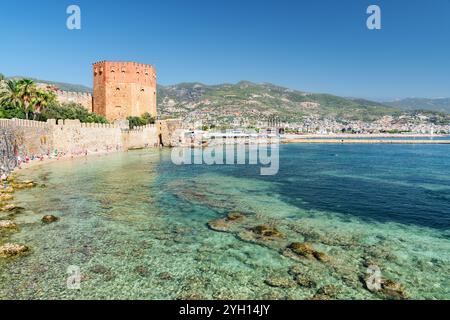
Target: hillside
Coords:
[(253, 102), (260, 101), (439, 105), (61, 85)]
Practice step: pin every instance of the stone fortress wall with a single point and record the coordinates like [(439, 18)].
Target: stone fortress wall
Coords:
[(70, 137), (83, 98)]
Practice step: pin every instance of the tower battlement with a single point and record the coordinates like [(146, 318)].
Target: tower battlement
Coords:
[(123, 89)]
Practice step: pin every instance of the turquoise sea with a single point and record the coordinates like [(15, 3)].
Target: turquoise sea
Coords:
[(137, 226)]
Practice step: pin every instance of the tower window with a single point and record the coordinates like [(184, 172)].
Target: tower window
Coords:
[(142, 90), (117, 89)]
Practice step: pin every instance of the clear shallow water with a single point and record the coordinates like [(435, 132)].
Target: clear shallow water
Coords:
[(136, 225)]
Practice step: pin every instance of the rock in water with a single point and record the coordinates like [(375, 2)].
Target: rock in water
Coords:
[(49, 219), (326, 293), (305, 281), (6, 197), (165, 276), (302, 249), (218, 225), (322, 257), (11, 250), (7, 224), (141, 270), (267, 231), (235, 216), (23, 185), (393, 290), (10, 207), (306, 250), (6, 190), (280, 282)]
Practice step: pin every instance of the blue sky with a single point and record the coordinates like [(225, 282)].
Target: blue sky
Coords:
[(318, 46)]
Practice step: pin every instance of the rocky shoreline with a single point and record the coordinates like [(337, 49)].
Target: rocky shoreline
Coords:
[(9, 210)]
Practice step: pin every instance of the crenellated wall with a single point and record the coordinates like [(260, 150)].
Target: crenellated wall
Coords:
[(30, 137), (70, 137), (83, 98)]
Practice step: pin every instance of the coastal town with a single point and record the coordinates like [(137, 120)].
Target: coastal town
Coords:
[(124, 111)]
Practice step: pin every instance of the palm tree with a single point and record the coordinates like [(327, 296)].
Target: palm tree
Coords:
[(27, 93), (41, 100), (10, 95)]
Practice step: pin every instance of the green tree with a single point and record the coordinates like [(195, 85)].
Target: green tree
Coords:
[(10, 95), (58, 111), (27, 92), (143, 120), (2, 77), (41, 101), (148, 118)]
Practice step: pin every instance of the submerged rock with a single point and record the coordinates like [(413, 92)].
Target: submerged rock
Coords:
[(322, 257), (326, 293), (385, 287), (393, 290), (165, 276), (141, 270), (11, 250), (23, 185), (100, 269), (305, 281), (219, 225), (296, 269), (10, 208), (49, 219), (7, 224), (235, 216), (190, 296), (4, 190), (305, 249), (280, 282), (267, 231), (6, 197), (302, 249)]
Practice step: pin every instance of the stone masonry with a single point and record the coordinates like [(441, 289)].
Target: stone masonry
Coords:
[(123, 89)]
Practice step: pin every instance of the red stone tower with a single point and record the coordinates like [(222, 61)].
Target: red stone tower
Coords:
[(124, 89)]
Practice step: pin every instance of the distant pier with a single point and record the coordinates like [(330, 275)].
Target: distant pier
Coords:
[(363, 141)]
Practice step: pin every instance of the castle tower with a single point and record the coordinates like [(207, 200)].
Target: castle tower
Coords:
[(124, 89)]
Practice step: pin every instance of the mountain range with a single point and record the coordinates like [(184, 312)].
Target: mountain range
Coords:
[(438, 104), (225, 102)]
